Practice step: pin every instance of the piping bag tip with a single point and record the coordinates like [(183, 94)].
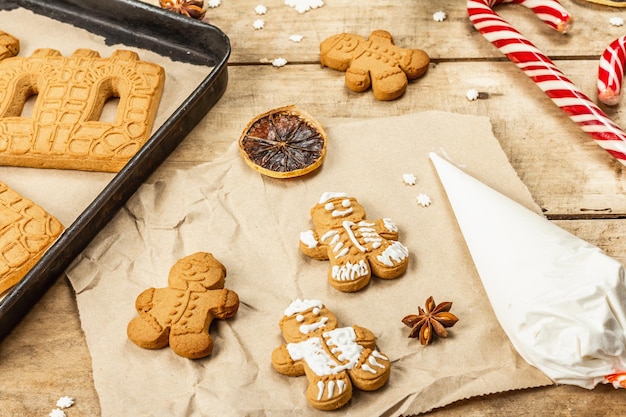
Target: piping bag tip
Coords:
[(560, 300)]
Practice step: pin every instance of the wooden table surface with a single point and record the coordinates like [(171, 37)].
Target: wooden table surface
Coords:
[(578, 185)]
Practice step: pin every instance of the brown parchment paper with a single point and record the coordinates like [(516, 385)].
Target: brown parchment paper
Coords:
[(66, 193), (251, 224)]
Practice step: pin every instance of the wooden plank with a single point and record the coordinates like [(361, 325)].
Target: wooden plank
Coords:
[(411, 24)]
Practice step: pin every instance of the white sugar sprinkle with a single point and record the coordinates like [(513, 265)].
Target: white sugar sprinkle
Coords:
[(279, 62), (258, 24), (440, 16)]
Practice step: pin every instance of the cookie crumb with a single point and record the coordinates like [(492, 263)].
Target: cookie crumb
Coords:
[(296, 38), (423, 200), (258, 24), (260, 9), (303, 6), (279, 62), (57, 412), (409, 179), (616, 21), (440, 16), (65, 402), (214, 3)]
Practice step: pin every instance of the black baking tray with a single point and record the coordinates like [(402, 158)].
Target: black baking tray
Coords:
[(141, 25)]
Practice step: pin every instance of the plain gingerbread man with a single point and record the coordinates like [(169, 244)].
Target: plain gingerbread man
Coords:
[(334, 359), (180, 314), (355, 246), (374, 62)]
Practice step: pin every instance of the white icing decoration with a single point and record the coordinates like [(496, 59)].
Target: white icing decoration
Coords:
[(349, 271), (346, 203), (330, 195), (389, 225), (329, 206), (300, 306), (328, 234), (320, 389), (342, 213), (299, 318), (346, 349), (338, 247), (379, 355), (348, 228), (316, 311), (308, 328), (308, 238), (331, 388), (396, 252)]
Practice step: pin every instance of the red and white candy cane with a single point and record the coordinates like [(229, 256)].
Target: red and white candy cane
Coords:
[(544, 72), (611, 72)]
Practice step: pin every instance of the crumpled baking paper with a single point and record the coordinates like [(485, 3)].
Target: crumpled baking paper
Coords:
[(252, 224)]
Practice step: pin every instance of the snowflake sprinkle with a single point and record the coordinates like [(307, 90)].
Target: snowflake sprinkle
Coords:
[(57, 413), (258, 24), (616, 21), (440, 16), (65, 402), (214, 3), (472, 94), (296, 38), (409, 179), (279, 62), (303, 6), (423, 200), (260, 9)]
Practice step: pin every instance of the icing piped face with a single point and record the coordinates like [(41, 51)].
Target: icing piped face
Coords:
[(197, 271), (337, 208), (299, 326)]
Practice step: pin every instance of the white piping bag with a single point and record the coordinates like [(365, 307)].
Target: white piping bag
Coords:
[(560, 300)]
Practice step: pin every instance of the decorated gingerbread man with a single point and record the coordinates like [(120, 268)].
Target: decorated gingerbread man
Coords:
[(374, 62), (180, 315), (356, 247), (334, 359)]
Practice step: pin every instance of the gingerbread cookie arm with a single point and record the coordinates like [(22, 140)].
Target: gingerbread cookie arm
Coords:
[(365, 337), (311, 246), (282, 362), (227, 304), (387, 229)]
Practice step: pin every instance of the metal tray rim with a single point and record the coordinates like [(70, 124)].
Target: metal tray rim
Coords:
[(107, 21)]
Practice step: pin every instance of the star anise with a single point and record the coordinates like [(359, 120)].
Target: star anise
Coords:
[(190, 8), (435, 319)]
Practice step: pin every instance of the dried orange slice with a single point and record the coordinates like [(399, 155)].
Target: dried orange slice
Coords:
[(283, 143)]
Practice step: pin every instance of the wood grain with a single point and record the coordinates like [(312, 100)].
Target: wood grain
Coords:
[(575, 182)]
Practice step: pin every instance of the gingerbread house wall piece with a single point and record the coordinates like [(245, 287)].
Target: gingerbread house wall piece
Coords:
[(65, 130), (26, 231)]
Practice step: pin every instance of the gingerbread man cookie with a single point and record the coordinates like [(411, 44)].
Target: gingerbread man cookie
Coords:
[(334, 359), (356, 247), (374, 62), (180, 315)]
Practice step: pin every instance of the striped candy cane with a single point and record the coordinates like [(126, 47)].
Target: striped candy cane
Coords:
[(543, 71), (611, 72)]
